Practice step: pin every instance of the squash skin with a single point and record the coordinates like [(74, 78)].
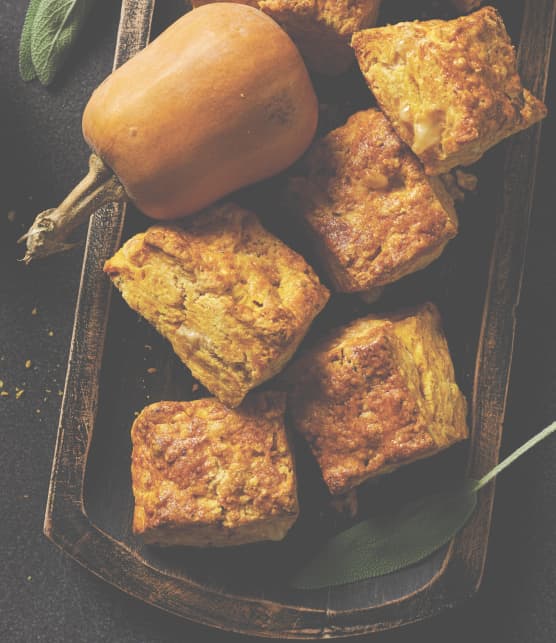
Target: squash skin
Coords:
[(220, 100)]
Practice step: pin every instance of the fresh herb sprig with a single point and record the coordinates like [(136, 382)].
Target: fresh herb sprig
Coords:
[(50, 30), (390, 542)]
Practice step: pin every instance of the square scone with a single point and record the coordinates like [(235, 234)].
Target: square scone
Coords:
[(450, 88), (321, 30), (375, 395), (232, 299), (208, 476), (371, 212)]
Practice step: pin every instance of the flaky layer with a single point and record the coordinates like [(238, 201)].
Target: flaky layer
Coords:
[(450, 88), (233, 300), (206, 475), (373, 214), (375, 395)]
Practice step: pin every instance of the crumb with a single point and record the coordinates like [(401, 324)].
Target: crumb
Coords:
[(152, 370), (28, 363), (60, 393), (466, 181), (148, 347), (47, 390), (29, 578), (11, 216), (34, 311), (51, 333), (135, 413), (37, 410), (195, 387), (26, 496), (19, 392), (4, 393), (1, 384)]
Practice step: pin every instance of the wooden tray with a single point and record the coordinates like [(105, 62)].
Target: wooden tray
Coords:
[(477, 286)]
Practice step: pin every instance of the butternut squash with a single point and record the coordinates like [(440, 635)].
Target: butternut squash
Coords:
[(220, 100)]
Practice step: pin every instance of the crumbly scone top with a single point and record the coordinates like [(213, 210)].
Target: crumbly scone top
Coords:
[(366, 198), (450, 88), (199, 463)]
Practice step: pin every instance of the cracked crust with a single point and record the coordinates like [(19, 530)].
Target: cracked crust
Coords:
[(204, 475), (232, 299), (450, 88), (375, 395), (372, 213), (321, 29)]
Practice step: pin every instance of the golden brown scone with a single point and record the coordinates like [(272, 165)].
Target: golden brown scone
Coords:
[(321, 29), (372, 213), (450, 88), (232, 299), (377, 394), (208, 476)]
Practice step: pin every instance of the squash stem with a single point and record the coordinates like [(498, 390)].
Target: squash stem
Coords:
[(52, 228)]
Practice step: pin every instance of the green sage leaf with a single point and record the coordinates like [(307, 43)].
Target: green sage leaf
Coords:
[(55, 28), (26, 67), (387, 543), (393, 541)]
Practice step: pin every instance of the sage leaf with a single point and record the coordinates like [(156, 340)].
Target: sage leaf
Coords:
[(26, 67), (54, 30), (387, 543), (393, 541)]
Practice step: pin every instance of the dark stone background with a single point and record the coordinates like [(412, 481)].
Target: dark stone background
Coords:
[(45, 596)]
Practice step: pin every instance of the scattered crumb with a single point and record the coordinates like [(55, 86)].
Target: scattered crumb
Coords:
[(34, 311), (26, 495), (152, 370), (466, 181), (29, 578), (1, 384), (37, 410), (47, 390), (4, 393), (11, 216), (135, 413), (19, 392), (148, 347), (60, 393), (195, 387), (51, 333), (28, 363)]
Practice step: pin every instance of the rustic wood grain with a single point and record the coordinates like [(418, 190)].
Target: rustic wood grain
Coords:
[(445, 579)]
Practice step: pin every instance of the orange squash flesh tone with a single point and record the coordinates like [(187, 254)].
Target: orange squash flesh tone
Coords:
[(220, 100)]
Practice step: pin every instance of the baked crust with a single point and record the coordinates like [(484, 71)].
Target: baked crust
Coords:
[(321, 29), (232, 299), (372, 213), (450, 88), (204, 475), (375, 395)]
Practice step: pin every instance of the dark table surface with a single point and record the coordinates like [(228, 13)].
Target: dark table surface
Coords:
[(44, 595)]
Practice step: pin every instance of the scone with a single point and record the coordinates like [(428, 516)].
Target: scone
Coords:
[(205, 475), (377, 394), (321, 30), (450, 88), (372, 213), (232, 299)]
